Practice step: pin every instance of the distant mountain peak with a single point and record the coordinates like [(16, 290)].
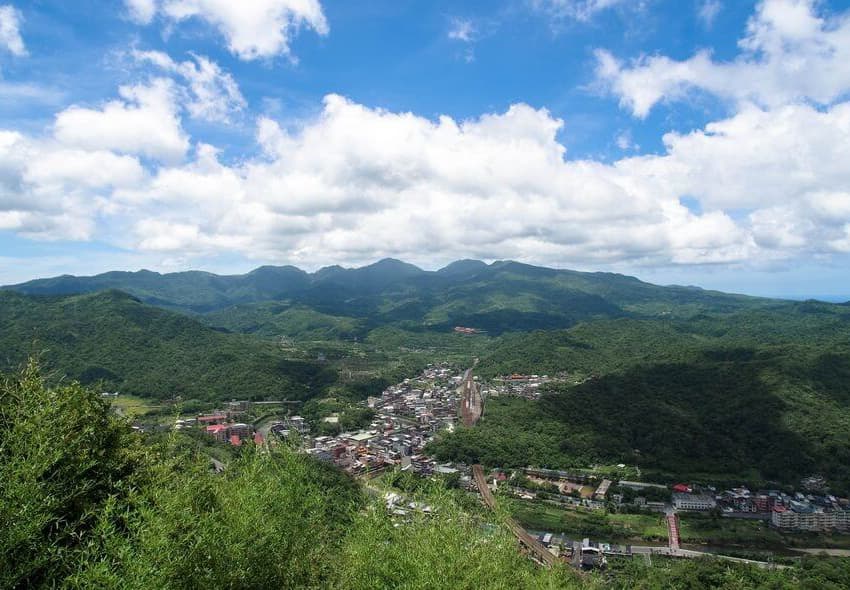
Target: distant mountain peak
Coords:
[(392, 263), (271, 269), (465, 266)]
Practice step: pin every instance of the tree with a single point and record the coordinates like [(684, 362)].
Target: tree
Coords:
[(63, 456)]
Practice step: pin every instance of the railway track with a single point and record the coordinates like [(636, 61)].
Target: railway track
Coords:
[(471, 408)]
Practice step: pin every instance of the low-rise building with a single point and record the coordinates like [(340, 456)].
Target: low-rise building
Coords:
[(216, 418), (217, 431), (693, 501), (602, 490)]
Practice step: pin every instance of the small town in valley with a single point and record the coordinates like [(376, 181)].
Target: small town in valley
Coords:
[(409, 415)]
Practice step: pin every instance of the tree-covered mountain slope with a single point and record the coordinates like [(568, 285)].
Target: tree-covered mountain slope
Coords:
[(499, 297), (114, 339), (189, 291), (759, 395)]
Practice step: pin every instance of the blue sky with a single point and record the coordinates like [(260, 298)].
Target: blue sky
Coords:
[(696, 142)]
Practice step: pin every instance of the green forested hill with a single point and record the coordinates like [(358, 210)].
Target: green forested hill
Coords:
[(677, 379), (114, 339), (499, 297), (760, 395), (193, 291), (272, 319), (604, 346)]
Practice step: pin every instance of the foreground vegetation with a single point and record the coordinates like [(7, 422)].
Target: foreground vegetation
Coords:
[(87, 503)]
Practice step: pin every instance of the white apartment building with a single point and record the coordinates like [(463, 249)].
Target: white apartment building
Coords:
[(694, 502), (810, 520)]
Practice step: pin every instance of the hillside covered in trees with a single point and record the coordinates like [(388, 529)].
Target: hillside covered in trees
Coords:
[(115, 340), (760, 395), (680, 381), (87, 503), (504, 296)]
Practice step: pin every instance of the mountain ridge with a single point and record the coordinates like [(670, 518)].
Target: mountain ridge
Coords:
[(504, 295), (457, 267)]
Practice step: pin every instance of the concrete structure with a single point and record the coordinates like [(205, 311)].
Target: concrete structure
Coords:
[(602, 490), (804, 518), (639, 485), (694, 502)]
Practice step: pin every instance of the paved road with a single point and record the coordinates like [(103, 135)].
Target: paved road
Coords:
[(471, 408)]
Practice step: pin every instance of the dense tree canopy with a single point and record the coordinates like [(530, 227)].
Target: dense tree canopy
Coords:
[(87, 503)]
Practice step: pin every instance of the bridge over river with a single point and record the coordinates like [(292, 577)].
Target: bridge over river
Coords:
[(471, 408)]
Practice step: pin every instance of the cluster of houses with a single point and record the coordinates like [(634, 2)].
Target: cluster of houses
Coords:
[(290, 425), (222, 428), (792, 512), (228, 425), (407, 416), (527, 386), (430, 400), (369, 452), (799, 511), (789, 512)]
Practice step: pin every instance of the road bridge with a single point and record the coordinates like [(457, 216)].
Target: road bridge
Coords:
[(471, 409), (673, 538)]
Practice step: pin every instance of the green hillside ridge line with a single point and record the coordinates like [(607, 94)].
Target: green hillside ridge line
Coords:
[(500, 297)]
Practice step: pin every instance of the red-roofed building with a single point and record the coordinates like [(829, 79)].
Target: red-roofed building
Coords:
[(682, 488), (258, 438), (217, 431), (235, 440), (212, 419)]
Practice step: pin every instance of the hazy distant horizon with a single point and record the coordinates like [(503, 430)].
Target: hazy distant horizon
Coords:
[(716, 285)]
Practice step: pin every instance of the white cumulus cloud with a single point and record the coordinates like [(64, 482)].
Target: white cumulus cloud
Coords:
[(252, 29), (213, 94), (790, 53), (144, 121), (52, 191), (354, 183), (358, 183)]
